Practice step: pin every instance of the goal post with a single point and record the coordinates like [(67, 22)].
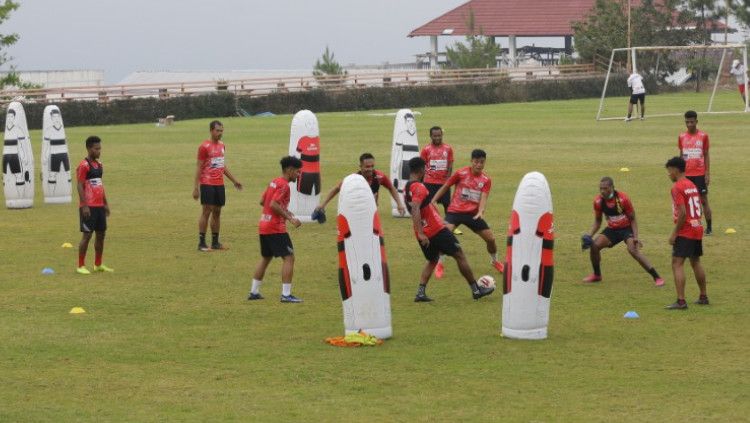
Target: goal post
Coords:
[(702, 70)]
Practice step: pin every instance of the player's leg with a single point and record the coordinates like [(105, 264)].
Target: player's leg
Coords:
[(600, 242), (706, 211), (700, 278), (432, 255), (637, 254), (477, 291), (206, 208), (642, 101), (286, 252), (83, 247), (630, 109), (486, 234), (215, 227), (678, 271), (266, 255)]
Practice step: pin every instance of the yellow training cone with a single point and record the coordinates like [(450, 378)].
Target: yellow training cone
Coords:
[(624, 169), (730, 231), (77, 310), (67, 245)]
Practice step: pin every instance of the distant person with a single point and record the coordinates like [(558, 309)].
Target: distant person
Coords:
[(93, 208), (374, 178), (621, 226), (687, 236), (438, 157), (209, 186), (740, 74), (274, 239), (694, 145), (469, 202), (638, 95), (433, 236)]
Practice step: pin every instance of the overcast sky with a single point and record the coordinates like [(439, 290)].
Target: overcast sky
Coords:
[(123, 36)]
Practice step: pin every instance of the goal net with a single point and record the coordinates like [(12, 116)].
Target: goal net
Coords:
[(676, 79)]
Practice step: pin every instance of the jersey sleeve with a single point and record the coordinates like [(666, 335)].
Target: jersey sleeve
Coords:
[(418, 193), (677, 197), (487, 186), (705, 145), (597, 207), (450, 155), (423, 154), (202, 153), (627, 206), (278, 193), (82, 171), (453, 180), (384, 182)]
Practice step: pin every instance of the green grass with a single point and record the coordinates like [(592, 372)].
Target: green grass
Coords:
[(170, 336)]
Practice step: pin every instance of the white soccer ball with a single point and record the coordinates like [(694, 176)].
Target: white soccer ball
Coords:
[(486, 281)]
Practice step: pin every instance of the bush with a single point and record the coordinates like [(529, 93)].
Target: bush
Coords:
[(142, 110)]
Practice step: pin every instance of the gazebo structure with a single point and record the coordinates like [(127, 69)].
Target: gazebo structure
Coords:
[(508, 18), (514, 18)]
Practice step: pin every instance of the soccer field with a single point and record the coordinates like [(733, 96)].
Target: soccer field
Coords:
[(170, 336)]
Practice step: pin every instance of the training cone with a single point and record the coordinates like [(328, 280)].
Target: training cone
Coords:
[(730, 231), (624, 169), (47, 271), (631, 315), (77, 310), (67, 245)]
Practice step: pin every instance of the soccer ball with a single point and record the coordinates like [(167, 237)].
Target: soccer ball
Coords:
[(486, 281)]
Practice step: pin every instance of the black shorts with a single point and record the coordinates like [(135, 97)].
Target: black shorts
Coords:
[(442, 242), (308, 181), (97, 221), (457, 219), (686, 247), (635, 98), (276, 245), (13, 161), (445, 200), (615, 236), (700, 183), (57, 159), (213, 195)]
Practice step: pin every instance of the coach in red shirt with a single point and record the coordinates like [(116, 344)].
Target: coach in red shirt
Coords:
[(209, 185), (687, 235)]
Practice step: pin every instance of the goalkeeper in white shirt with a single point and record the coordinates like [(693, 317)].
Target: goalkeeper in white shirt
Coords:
[(739, 72), (638, 95)]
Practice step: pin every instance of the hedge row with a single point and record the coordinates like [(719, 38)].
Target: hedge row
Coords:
[(89, 113)]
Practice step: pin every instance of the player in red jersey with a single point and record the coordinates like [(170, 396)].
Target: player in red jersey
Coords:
[(433, 236), (274, 239), (687, 236), (374, 177), (621, 226), (209, 185), (469, 201), (693, 145), (93, 208), (438, 157)]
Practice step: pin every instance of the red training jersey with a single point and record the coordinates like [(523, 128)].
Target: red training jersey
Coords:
[(615, 210), (309, 150), (90, 173), (468, 192), (211, 156), (438, 159), (685, 193), (270, 222), (383, 180), (432, 223), (693, 148)]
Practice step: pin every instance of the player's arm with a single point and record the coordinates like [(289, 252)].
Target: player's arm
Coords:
[(397, 199), (707, 161), (332, 193), (196, 186), (596, 225), (286, 214), (229, 175), (681, 217), (443, 189), (634, 228), (416, 219), (482, 205), (82, 194)]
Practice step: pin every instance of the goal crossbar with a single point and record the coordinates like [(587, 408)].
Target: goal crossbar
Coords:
[(723, 47)]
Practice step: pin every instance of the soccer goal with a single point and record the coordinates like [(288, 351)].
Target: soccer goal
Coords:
[(700, 74)]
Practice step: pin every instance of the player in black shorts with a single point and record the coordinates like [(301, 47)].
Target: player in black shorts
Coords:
[(433, 236)]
